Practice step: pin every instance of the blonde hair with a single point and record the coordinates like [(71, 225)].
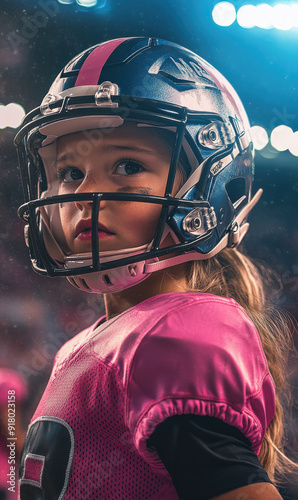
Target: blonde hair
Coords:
[(232, 274)]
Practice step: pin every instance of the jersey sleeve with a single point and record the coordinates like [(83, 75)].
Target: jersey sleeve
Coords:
[(196, 449), (204, 359)]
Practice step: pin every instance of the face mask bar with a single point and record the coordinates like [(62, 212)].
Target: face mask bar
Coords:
[(140, 110), (30, 211), (171, 177)]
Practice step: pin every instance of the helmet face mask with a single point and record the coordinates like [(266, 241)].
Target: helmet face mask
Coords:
[(182, 97)]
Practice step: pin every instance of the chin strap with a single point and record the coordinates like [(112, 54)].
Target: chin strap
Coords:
[(231, 239)]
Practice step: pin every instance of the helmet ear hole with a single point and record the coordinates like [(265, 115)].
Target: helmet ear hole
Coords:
[(236, 191), (107, 280)]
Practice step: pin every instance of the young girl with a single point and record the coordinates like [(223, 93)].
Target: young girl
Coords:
[(137, 172)]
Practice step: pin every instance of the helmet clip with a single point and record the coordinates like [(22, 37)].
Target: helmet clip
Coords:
[(234, 235), (48, 100), (103, 94), (215, 135), (199, 221), (242, 139)]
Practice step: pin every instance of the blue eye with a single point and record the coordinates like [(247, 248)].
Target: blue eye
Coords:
[(69, 174), (128, 167)]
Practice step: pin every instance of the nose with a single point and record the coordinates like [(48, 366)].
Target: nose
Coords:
[(87, 186), (91, 184), (82, 205)]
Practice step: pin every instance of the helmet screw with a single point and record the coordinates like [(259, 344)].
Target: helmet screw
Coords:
[(221, 214), (132, 270), (212, 135)]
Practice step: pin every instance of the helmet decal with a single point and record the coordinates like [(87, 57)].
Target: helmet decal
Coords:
[(90, 71), (178, 70)]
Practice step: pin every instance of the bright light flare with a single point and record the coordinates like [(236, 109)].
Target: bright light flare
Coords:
[(259, 137), (87, 3), (281, 137), (224, 14), (264, 16), (282, 17), (246, 16), (293, 144), (11, 115), (294, 14)]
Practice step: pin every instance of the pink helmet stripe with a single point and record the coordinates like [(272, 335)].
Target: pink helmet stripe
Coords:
[(91, 69)]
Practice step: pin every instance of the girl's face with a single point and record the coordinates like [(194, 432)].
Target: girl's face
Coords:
[(128, 159)]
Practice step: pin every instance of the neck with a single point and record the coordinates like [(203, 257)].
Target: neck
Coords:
[(164, 281)]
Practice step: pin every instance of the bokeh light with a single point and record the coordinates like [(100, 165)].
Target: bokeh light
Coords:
[(259, 137), (11, 115), (87, 3), (282, 17), (281, 137), (224, 14), (294, 14), (264, 16), (66, 2), (246, 16), (293, 144)]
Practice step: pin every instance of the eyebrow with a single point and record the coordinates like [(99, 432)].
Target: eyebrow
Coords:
[(110, 147), (128, 148)]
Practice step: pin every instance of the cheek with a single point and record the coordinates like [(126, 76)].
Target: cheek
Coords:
[(66, 212), (140, 221)]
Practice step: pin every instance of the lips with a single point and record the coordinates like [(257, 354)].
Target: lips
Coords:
[(84, 229)]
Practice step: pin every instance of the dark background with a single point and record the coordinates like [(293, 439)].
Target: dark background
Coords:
[(37, 39)]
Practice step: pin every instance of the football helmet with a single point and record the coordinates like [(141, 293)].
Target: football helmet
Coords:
[(153, 83)]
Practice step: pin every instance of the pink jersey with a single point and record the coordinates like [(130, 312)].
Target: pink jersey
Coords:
[(176, 353)]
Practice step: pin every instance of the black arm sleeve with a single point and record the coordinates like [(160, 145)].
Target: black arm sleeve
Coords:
[(205, 456)]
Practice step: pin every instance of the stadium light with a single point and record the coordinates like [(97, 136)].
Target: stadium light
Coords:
[(11, 115), (294, 13), (66, 2), (224, 14), (259, 137), (87, 3), (281, 137), (282, 16), (293, 144), (247, 16), (264, 16)]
